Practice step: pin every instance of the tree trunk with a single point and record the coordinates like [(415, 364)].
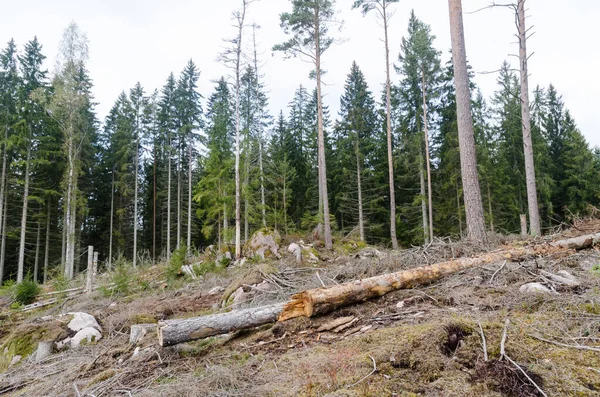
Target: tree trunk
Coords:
[(468, 159), (361, 222), (47, 248), (320, 301), (423, 199), (172, 332), (112, 214), (154, 209), (169, 202), (135, 201), (71, 206), (262, 181), (459, 208), (36, 264), (427, 156), (21, 263), (3, 244), (388, 97), (523, 219), (189, 214), (246, 190), (532, 200), (321, 138), (3, 183), (178, 169)]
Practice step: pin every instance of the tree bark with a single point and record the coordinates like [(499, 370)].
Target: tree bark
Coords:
[(3, 183), (178, 169), (21, 263), (324, 300), (361, 222), (423, 199), (189, 214), (172, 332), (135, 198), (468, 159), (321, 136), (388, 98), (3, 243), (427, 157), (37, 251), (112, 212), (169, 201), (47, 248), (154, 208), (532, 200)]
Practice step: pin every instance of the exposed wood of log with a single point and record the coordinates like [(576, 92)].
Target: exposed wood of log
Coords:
[(323, 300), (172, 332)]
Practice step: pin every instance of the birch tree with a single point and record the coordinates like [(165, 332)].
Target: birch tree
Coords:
[(384, 13), (308, 25), (466, 139), (232, 58), (66, 106)]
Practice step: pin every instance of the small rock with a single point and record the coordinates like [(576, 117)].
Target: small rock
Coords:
[(43, 351), (371, 253), (81, 321), (139, 331), (263, 243), (88, 334), (535, 288)]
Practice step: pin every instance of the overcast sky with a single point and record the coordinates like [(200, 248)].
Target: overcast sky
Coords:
[(145, 40)]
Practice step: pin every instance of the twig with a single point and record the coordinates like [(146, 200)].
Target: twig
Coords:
[(125, 391), (578, 347), (525, 373), (76, 390), (319, 277), (370, 373), (485, 354), (497, 271), (503, 341)]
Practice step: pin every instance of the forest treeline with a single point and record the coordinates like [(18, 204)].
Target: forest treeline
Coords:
[(159, 172)]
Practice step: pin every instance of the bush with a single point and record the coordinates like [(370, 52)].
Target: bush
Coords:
[(26, 292), (177, 261)]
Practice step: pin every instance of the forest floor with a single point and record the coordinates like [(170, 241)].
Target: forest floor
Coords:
[(418, 342)]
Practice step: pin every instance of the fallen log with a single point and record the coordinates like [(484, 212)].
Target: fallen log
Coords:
[(172, 332), (326, 299)]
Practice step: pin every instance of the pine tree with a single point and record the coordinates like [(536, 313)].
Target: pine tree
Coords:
[(308, 25)]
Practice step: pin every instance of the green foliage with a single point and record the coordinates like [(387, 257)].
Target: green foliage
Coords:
[(178, 259), (596, 269), (26, 292)]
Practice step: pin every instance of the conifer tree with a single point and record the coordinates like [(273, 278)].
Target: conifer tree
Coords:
[(308, 25)]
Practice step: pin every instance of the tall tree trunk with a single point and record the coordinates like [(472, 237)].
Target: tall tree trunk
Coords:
[(285, 223), (189, 214), (466, 137), (178, 198), (112, 215), (3, 182), (260, 137), (21, 263), (246, 191), (459, 209), (3, 244), (321, 137), (388, 100), (47, 248), (154, 209), (238, 203), (361, 221), (135, 200), (532, 200), (427, 156), (36, 264), (423, 199), (169, 201), (71, 206)]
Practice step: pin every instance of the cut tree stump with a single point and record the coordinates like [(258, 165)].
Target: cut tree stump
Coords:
[(172, 332), (324, 300)]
